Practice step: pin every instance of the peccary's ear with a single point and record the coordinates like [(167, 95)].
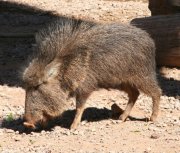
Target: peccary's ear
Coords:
[(33, 74), (52, 70)]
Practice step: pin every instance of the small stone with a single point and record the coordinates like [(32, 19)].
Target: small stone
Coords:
[(16, 138), (17, 132), (1, 132), (83, 122), (177, 105), (81, 133), (119, 121), (67, 133), (32, 133), (114, 122), (152, 128), (9, 131), (93, 129), (43, 132), (75, 133), (155, 136), (161, 125), (147, 150)]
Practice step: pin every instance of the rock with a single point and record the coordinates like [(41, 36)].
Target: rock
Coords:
[(9, 131), (57, 128), (83, 122), (75, 132), (114, 122), (155, 136), (93, 129), (67, 133), (81, 133), (43, 132), (147, 150), (17, 132), (177, 104), (1, 132), (16, 138), (161, 125), (152, 128)]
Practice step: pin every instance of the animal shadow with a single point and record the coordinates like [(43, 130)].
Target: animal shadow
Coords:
[(90, 114)]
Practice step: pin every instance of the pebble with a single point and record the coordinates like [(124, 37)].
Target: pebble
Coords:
[(67, 133), (93, 130), (75, 132), (177, 105), (83, 122), (17, 132), (1, 133), (151, 128), (81, 133), (9, 131), (43, 132), (147, 150), (161, 125), (16, 138), (155, 136)]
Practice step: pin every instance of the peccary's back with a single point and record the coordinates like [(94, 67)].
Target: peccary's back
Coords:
[(117, 52), (120, 52)]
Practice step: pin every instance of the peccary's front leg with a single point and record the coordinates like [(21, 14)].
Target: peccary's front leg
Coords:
[(80, 106)]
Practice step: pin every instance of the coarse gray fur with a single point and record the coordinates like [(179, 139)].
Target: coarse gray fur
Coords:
[(76, 58)]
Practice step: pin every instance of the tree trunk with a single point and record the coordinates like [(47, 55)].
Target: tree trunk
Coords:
[(165, 30)]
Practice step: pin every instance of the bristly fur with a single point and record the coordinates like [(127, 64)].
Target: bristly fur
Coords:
[(56, 40), (59, 38), (77, 58)]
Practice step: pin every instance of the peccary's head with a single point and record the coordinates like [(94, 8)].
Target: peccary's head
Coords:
[(55, 61), (45, 99)]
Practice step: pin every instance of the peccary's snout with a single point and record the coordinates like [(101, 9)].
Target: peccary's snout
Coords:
[(28, 122), (29, 125), (35, 122)]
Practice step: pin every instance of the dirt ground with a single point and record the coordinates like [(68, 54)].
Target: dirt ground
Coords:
[(98, 132)]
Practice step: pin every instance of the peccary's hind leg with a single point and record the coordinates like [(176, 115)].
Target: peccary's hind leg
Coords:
[(156, 94), (133, 94), (151, 88), (80, 106), (155, 109)]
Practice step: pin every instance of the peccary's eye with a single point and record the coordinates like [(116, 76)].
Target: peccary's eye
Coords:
[(45, 82)]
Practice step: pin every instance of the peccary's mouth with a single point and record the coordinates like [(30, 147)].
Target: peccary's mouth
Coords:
[(35, 126), (29, 122), (29, 125)]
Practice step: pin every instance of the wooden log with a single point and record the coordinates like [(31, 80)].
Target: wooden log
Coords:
[(164, 7), (165, 30)]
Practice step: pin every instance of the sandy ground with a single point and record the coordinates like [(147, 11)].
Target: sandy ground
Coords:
[(98, 132)]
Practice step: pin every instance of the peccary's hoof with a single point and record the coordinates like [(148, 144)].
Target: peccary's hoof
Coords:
[(153, 118), (73, 126), (123, 117)]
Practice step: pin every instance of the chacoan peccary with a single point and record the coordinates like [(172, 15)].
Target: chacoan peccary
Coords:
[(76, 58)]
